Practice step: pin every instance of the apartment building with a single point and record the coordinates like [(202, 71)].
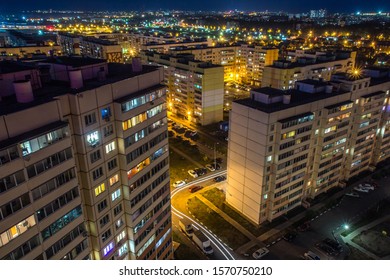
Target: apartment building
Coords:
[(242, 63), (41, 213), (73, 44), (116, 124), (287, 147), (283, 74), (195, 89), (146, 41)]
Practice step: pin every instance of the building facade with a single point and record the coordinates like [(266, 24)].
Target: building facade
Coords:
[(287, 147), (242, 63), (115, 124), (194, 88), (284, 74)]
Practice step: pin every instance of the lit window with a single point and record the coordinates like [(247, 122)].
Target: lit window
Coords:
[(114, 179), (108, 248), (110, 147), (269, 159), (93, 138), (99, 189), (116, 194), (120, 236)]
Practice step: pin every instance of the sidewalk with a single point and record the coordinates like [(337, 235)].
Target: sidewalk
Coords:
[(348, 239)]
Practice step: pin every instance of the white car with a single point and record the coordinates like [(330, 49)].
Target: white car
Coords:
[(258, 254), (366, 186), (179, 184), (353, 194), (309, 255), (210, 167), (359, 189), (192, 173)]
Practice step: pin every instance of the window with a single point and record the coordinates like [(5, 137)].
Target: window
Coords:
[(108, 130), (93, 138), (112, 164), (120, 236), (95, 156), (42, 141), (99, 189), (90, 119), (97, 173), (106, 235), (103, 221), (117, 209), (110, 147), (108, 249), (106, 113), (116, 194), (102, 205), (114, 179)]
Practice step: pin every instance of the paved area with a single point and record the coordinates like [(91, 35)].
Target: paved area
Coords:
[(260, 240)]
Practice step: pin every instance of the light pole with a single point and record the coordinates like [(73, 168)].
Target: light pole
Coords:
[(215, 155)]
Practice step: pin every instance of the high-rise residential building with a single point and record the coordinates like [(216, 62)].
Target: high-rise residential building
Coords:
[(162, 43), (242, 63), (284, 74), (287, 147), (76, 44), (195, 88), (104, 135)]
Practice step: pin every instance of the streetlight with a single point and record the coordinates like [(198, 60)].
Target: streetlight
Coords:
[(346, 226), (215, 155)]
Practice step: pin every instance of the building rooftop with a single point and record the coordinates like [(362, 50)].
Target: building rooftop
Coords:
[(7, 66), (116, 72), (297, 98), (74, 61)]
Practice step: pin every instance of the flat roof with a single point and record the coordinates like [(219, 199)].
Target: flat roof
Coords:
[(297, 98), (269, 91), (374, 94), (313, 82), (75, 61), (116, 72), (7, 66)]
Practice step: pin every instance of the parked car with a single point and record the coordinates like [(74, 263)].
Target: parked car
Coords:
[(193, 189), (325, 248), (219, 178), (359, 189), (179, 184), (309, 255), (353, 194), (290, 236), (258, 254), (200, 171), (333, 243), (367, 186), (210, 167), (193, 173)]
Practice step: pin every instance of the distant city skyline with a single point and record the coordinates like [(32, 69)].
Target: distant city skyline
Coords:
[(220, 5)]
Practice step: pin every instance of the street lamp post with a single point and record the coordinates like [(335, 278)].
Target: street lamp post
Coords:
[(215, 155)]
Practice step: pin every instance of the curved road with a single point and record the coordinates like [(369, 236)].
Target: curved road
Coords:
[(179, 200)]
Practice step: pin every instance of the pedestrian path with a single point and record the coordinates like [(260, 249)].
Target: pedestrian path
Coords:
[(348, 239)]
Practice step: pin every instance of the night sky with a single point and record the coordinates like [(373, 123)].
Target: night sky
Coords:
[(221, 5)]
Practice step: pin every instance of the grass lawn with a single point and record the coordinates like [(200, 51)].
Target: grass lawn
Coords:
[(224, 230)]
